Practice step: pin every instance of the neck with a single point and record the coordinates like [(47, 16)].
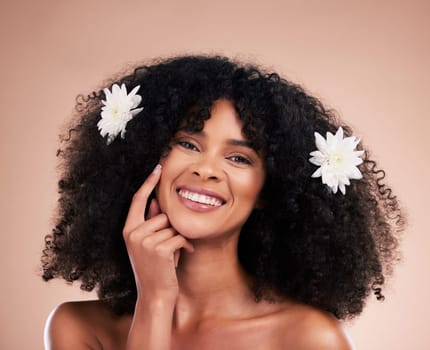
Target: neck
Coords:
[(211, 282)]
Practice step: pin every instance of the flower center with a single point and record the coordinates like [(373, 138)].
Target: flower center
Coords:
[(115, 111), (335, 159)]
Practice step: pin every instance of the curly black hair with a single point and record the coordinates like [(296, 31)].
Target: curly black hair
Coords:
[(305, 243)]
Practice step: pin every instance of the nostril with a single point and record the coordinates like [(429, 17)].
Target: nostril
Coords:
[(203, 175), (206, 170)]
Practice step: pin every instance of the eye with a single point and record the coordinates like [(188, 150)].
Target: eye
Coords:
[(187, 145), (240, 160)]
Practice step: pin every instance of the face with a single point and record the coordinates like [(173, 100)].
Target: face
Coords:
[(211, 179)]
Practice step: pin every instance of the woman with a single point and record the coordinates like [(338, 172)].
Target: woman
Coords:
[(200, 198)]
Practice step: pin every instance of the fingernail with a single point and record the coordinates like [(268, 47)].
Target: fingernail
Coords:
[(157, 169)]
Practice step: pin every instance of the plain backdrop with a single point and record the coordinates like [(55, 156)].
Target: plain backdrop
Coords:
[(369, 60)]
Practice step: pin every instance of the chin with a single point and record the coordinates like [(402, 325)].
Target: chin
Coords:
[(191, 230), (201, 229)]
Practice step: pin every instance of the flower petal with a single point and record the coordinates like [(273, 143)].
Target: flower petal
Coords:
[(339, 133), (317, 173), (116, 90), (320, 142), (134, 91), (337, 159), (317, 158), (355, 173), (136, 111), (350, 142), (119, 108), (330, 138), (334, 188), (342, 188)]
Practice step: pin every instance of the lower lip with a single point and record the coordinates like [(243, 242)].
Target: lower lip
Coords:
[(200, 207)]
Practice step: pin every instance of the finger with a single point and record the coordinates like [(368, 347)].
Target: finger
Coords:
[(151, 227), (170, 245), (154, 209), (176, 256), (188, 247), (155, 238), (138, 204), (177, 252)]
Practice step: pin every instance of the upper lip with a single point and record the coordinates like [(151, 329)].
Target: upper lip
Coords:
[(203, 191)]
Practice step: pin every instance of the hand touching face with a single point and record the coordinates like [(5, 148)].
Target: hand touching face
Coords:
[(153, 245)]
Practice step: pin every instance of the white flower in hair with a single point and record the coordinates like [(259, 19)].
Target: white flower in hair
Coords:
[(119, 108), (337, 160)]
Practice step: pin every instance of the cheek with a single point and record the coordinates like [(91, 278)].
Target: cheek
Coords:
[(171, 162), (249, 188), (171, 168), (161, 191)]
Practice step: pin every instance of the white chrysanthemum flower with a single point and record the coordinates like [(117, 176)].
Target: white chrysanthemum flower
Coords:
[(337, 160), (119, 108)]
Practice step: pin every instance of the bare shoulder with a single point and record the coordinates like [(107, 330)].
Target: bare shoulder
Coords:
[(80, 325), (309, 329), (69, 327)]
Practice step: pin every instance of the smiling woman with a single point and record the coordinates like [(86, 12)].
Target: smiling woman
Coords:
[(211, 172), (191, 200)]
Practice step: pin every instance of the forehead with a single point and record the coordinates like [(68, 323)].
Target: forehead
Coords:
[(222, 119), (224, 116), (224, 113)]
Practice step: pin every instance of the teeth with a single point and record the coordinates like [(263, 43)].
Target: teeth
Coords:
[(200, 198)]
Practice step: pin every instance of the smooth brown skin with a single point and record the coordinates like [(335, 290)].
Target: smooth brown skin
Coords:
[(91, 325), (192, 290)]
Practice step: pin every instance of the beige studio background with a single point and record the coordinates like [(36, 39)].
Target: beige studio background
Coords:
[(367, 59)]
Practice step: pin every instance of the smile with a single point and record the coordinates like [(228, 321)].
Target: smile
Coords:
[(200, 198)]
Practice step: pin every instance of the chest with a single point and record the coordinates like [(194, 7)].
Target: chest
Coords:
[(239, 337)]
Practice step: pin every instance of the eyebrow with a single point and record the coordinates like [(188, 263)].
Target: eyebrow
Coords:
[(233, 142), (243, 143)]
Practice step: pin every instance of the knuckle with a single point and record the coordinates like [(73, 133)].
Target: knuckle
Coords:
[(147, 241), (161, 250), (163, 218), (133, 237), (128, 235), (178, 240)]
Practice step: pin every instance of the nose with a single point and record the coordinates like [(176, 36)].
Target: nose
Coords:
[(207, 168)]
